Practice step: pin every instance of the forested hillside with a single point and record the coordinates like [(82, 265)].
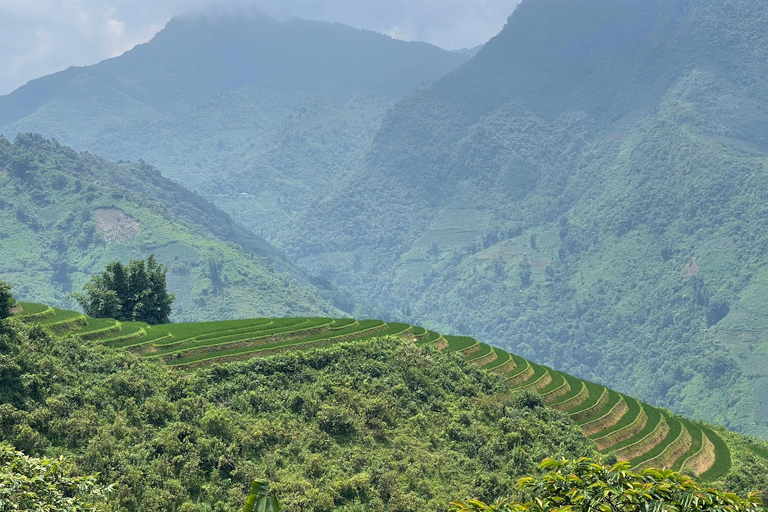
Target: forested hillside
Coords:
[(250, 112), (335, 414), (381, 425), (587, 191), (64, 216)]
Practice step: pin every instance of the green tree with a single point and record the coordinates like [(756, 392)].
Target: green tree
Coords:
[(525, 271), (6, 300), (584, 485), (133, 293), (28, 483)]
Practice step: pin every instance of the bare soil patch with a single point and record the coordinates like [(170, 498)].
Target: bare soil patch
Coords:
[(115, 227)]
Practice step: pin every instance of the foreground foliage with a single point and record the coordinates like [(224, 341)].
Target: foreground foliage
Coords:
[(28, 483), (260, 499), (378, 425), (585, 485)]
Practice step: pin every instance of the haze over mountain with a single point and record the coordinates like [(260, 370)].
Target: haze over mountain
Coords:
[(211, 94), (64, 216), (586, 191)]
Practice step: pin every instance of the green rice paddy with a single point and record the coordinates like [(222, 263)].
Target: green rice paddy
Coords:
[(192, 345)]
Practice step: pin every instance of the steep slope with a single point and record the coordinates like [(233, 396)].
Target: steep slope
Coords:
[(619, 425), (209, 95), (586, 192), (381, 425), (64, 216)]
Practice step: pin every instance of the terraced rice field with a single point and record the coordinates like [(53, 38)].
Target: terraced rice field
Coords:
[(618, 424)]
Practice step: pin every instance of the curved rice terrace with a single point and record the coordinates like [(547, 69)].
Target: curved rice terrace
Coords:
[(618, 424)]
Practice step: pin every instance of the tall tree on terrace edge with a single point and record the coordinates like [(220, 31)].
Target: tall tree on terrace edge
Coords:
[(6, 300), (136, 292)]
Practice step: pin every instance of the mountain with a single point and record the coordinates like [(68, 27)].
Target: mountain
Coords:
[(65, 215), (469, 51), (211, 97), (586, 191)]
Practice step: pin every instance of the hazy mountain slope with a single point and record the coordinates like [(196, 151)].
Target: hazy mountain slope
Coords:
[(211, 95), (586, 191), (64, 216), (196, 57)]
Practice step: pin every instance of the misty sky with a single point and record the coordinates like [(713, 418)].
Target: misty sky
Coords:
[(39, 37)]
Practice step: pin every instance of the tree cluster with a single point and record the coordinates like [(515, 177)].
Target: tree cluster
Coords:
[(6, 300), (29, 483), (136, 292)]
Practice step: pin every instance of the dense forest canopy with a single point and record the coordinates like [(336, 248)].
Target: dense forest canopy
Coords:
[(379, 425)]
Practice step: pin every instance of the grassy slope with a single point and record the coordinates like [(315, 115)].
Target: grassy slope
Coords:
[(51, 243)]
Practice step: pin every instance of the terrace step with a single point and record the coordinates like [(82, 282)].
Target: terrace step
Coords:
[(34, 312), (268, 351), (609, 419), (586, 411), (254, 337), (485, 360), (703, 460), (606, 441), (722, 461), (504, 364), (268, 342), (540, 383), (673, 451), (521, 375), (647, 443), (557, 381), (579, 398), (558, 392)]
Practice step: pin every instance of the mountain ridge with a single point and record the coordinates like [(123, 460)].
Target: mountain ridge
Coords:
[(65, 215), (532, 207)]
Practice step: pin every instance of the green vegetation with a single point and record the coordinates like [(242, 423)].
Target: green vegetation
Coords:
[(65, 216), (7, 301), (260, 499), (619, 425), (136, 293), (586, 484), (271, 112), (29, 483), (380, 424), (590, 198)]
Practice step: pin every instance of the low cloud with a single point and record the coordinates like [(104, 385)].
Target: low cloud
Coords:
[(39, 37)]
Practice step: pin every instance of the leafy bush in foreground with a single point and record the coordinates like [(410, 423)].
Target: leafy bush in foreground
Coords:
[(585, 485), (28, 483)]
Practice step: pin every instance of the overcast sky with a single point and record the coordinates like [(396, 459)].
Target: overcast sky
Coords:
[(39, 37)]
